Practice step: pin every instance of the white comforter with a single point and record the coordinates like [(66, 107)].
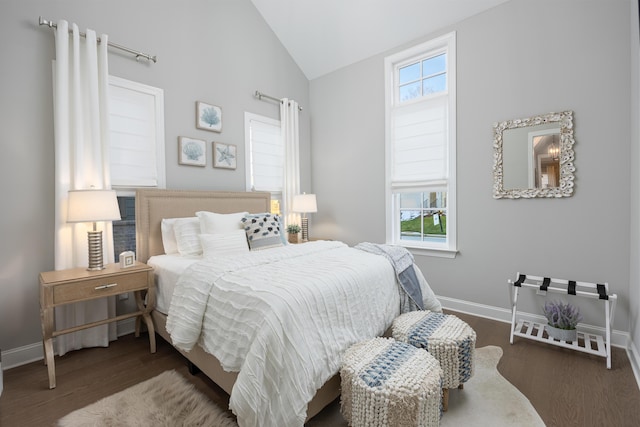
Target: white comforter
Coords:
[(282, 317)]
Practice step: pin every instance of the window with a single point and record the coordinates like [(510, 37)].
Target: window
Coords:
[(265, 157), (421, 147), (136, 125)]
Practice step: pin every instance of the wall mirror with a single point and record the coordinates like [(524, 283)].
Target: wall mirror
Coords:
[(533, 157)]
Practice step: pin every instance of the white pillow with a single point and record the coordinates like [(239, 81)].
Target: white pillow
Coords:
[(187, 239), (169, 236), (215, 223), (225, 244)]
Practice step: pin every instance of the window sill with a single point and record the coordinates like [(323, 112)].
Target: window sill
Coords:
[(433, 252)]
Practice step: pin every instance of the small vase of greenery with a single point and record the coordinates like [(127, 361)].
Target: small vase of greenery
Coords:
[(562, 319), (293, 230)]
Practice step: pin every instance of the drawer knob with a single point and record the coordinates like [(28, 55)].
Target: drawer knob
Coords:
[(111, 285)]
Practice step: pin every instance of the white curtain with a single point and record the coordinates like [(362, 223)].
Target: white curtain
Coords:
[(291, 138), (80, 93)]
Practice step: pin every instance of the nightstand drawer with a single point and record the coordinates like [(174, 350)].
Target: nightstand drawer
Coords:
[(99, 287)]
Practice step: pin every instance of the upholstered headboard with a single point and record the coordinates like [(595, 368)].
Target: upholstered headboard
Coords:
[(154, 205)]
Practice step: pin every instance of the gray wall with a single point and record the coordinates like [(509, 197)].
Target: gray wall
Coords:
[(519, 59), (216, 51), (634, 291)]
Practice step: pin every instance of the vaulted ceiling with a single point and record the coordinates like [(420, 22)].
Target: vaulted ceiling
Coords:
[(325, 35)]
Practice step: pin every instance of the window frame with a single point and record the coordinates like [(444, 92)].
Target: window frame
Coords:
[(392, 64)]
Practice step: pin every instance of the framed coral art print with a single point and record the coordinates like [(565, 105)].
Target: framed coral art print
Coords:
[(192, 152), (208, 117), (224, 155)]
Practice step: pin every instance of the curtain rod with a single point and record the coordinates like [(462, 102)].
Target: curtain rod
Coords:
[(138, 54), (261, 95)]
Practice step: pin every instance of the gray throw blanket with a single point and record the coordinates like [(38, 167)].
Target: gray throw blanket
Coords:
[(402, 262)]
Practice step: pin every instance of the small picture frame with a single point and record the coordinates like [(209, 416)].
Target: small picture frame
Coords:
[(127, 259), (191, 151), (224, 155), (208, 117)]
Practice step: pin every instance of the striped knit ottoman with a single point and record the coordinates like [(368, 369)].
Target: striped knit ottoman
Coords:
[(450, 340), (389, 383)]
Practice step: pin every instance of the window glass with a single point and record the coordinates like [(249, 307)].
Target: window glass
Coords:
[(435, 65), (124, 231), (434, 84), (410, 200), (410, 91), (428, 224), (409, 73)]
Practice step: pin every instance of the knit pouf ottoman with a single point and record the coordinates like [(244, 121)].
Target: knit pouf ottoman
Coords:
[(389, 383), (450, 340)]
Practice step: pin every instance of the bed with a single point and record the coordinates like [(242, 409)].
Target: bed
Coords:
[(152, 206)]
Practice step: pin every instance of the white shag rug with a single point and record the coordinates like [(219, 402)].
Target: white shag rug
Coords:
[(169, 400), (488, 399)]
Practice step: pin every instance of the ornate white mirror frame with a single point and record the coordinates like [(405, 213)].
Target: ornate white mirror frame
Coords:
[(564, 159)]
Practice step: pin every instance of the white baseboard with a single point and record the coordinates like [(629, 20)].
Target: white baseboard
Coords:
[(634, 358), (22, 355), (33, 352)]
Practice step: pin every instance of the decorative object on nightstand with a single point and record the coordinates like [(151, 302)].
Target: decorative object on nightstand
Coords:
[(93, 206), (304, 204), (127, 259), (292, 233), (62, 287)]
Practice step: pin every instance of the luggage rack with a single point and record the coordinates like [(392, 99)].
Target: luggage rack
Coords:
[(586, 342)]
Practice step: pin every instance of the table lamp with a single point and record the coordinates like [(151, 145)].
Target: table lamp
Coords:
[(93, 206), (305, 203)]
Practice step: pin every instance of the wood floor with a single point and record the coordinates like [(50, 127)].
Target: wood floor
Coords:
[(566, 388)]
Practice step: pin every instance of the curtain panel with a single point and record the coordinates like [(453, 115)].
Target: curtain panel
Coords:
[(291, 138), (81, 122)]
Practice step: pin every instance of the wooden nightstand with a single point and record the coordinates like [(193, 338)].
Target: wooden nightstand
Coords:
[(79, 284)]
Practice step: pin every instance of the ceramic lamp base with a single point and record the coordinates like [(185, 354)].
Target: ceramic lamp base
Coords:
[(95, 251), (305, 229)]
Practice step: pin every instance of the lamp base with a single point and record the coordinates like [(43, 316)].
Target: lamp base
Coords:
[(305, 229), (95, 251)]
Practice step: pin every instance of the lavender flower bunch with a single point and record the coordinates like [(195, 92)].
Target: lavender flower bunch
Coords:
[(561, 315)]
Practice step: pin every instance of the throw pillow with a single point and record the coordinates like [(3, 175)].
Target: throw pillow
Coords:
[(263, 231)]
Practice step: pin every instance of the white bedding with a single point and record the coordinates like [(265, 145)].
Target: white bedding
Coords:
[(283, 317), (167, 270)]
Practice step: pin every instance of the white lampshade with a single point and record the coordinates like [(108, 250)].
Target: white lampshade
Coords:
[(93, 206), (305, 203)]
